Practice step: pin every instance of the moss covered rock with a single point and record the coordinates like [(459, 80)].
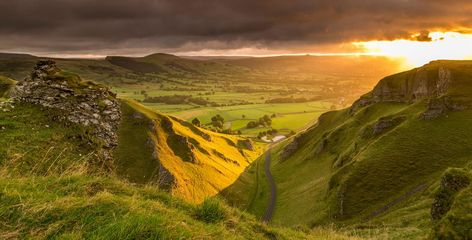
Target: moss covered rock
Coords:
[(452, 181)]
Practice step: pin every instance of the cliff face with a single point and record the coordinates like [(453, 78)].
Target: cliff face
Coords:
[(431, 82), (77, 101)]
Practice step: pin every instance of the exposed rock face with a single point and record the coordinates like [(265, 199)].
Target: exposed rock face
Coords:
[(385, 123), (290, 149), (180, 145), (452, 182), (431, 81), (321, 146), (246, 143), (80, 102), (439, 106), (414, 85)]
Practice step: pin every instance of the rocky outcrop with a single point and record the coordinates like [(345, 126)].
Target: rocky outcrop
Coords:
[(166, 179), (452, 182), (430, 81), (76, 101), (290, 149), (386, 123), (246, 144), (180, 145), (321, 146), (440, 106)]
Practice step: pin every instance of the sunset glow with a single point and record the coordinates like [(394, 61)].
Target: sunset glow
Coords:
[(447, 45)]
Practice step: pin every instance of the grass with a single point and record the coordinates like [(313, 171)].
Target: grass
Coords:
[(201, 162), (293, 116), (25, 139), (52, 188), (78, 207), (210, 211), (342, 174)]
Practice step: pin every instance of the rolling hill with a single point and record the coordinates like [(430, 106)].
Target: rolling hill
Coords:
[(382, 163)]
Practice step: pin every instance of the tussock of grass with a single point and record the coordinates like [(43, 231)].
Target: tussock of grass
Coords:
[(210, 210)]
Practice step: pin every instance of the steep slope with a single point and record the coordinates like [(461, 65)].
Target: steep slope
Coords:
[(381, 160), (52, 188), (193, 163)]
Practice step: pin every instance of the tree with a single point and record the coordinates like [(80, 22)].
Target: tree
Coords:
[(252, 124), (196, 122), (218, 117), (217, 124)]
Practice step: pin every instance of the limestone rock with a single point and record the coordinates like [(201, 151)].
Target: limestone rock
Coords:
[(290, 149), (440, 106), (76, 101), (386, 123), (430, 81)]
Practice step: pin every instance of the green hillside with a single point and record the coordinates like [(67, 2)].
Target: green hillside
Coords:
[(55, 185), (379, 163), (195, 162), (52, 188)]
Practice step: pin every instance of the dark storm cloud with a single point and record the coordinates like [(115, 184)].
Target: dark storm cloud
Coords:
[(110, 25)]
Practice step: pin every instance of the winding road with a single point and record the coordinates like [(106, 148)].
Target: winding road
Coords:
[(273, 189)]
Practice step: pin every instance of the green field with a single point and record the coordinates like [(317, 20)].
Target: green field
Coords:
[(288, 116)]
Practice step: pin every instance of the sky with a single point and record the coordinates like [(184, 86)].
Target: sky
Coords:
[(90, 28)]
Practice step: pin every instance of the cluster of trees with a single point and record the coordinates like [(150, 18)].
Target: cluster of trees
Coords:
[(177, 99), (265, 121), (291, 99), (217, 121), (270, 132)]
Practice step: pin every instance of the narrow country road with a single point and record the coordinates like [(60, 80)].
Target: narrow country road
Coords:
[(273, 190)]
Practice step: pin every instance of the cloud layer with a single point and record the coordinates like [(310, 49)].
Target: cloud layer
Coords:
[(130, 26)]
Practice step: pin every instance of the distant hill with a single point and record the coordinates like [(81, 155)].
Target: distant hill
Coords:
[(385, 160), (168, 64)]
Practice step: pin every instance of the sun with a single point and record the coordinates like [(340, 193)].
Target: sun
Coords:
[(442, 45)]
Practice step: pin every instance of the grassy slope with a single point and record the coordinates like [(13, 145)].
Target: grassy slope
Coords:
[(78, 207), (218, 162), (51, 188), (354, 176)]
